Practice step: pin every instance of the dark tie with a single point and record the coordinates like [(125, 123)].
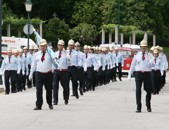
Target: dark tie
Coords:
[(143, 56), (9, 59), (116, 53), (25, 55), (70, 52), (43, 56), (155, 60), (60, 54), (86, 55)]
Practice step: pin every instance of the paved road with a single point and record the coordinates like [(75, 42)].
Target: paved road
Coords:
[(110, 107)]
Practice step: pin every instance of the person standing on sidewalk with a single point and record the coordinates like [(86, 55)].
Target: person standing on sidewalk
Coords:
[(42, 64), (141, 68)]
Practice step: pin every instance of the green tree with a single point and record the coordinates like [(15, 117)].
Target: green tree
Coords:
[(56, 29), (87, 12), (84, 33)]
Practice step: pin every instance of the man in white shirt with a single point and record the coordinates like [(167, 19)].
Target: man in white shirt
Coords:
[(61, 74), (141, 68), (42, 64)]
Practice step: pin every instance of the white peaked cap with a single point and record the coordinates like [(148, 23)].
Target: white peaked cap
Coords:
[(43, 42), (143, 43), (31, 47), (61, 42), (85, 47), (89, 47), (15, 51), (36, 47), (77, 44), (9, 50), (20, 50), (152, 48), (71, 42), (25, 48)]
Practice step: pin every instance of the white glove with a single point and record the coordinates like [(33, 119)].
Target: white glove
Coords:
[(95, 69), (129, 76), (103, 68), (30, 77), (23, 73), (122, 65), (27, 73), (18, 72), (162, 72), (111, 67), (34, 29), (85, 69)]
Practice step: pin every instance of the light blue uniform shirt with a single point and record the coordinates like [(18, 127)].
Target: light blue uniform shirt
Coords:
[(22, 61), (12, 65), (119, 58), (164, 60), (62, 61), (81, 57), (73, 57), (88, 62), (157, 64)]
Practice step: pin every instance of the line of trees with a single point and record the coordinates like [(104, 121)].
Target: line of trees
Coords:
[(82, 19)]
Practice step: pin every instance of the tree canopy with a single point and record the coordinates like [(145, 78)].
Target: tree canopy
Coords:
[(142, 14)]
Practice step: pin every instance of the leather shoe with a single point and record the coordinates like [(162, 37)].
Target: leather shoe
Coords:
[(149, 110), (138, 111), (51, 107), (77, 96), (81, 93), (66, 102), (55, 103), (37, 108)]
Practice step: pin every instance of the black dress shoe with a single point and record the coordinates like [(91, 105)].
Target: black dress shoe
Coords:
[(149, 110), (37, 108), (66, 102), (55, 103), (81, 93), (77, 96), (6, 93), (72, 95), (51, 107), (138, 111)]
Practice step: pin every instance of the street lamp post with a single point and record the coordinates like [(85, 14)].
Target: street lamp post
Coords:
[(0, 30), (28, 7), (118, 14), (54, 15)]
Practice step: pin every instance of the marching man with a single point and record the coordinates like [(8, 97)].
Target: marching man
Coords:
[(141, 68), (42, 63), (10, 67), (61, 74)]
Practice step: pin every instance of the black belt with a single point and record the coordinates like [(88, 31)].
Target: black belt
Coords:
[(61, 70), (143, 71), (155, 70)]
